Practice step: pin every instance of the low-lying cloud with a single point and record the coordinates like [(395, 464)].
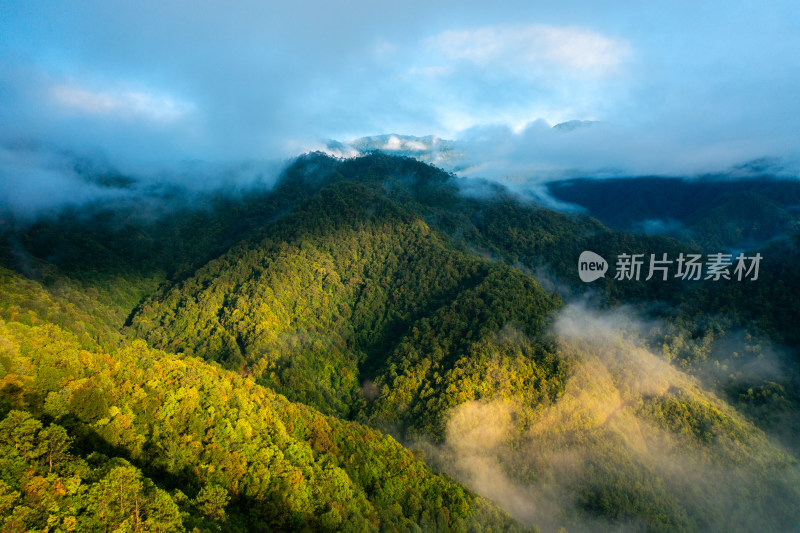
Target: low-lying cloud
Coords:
[(37, 179), (599, 441), (539, 152)]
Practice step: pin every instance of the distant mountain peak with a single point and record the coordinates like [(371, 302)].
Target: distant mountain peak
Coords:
[(428, 149)]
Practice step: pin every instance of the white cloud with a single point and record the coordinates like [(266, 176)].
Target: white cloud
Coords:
[(572, 49), (713, 84), (120, 103), (537, 152), (394, 143)]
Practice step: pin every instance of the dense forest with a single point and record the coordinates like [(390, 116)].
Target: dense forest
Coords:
[(369, 344), (717, 212)]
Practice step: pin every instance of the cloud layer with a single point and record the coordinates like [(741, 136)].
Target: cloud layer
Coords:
[(569, 50), (680, 87)]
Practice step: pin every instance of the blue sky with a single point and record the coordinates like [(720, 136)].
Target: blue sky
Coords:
[(681, 87)]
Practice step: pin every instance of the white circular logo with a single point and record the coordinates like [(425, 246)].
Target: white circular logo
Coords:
[(591, 266)]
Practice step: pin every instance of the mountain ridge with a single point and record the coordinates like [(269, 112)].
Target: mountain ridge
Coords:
[(370, 296)]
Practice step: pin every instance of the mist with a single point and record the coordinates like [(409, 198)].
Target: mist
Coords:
[(540, 153), (671, 89), (39, 180), (604, 432)]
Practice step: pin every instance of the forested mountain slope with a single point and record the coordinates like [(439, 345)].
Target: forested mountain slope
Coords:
[(138, 439), (245, 359)]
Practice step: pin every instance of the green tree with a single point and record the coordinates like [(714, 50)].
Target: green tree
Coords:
[(211, 501)]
